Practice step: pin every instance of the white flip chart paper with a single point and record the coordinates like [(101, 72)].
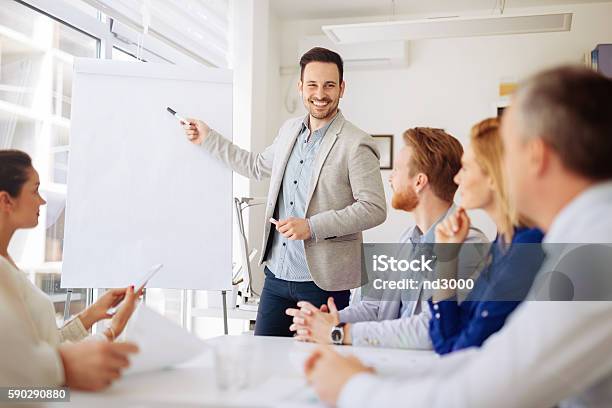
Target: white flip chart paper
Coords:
[(139, 193)]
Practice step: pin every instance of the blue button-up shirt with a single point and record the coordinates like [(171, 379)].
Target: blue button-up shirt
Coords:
[(287, 259), (455, 326)]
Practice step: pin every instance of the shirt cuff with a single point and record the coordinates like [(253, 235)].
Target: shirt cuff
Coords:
[(313, 235), (210, 140), (356, 391), (359, 335), (445, 319), (73, 331)]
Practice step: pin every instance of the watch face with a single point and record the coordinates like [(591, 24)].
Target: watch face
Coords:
[(336, 334)]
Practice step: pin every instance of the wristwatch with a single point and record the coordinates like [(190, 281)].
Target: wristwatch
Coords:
[(337, 334)]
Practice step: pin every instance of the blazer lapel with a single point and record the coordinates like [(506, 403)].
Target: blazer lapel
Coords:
[(326, 145)]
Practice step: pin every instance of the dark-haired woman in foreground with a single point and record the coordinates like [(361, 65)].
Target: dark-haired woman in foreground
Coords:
[(43, 354)]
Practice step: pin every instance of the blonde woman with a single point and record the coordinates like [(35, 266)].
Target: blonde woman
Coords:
[(51, 360), (508, 275)]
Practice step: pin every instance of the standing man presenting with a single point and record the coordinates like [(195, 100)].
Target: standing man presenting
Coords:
[(325, 189)]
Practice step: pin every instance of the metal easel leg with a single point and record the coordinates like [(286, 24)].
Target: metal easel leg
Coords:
[(224, 299), (67, 305)]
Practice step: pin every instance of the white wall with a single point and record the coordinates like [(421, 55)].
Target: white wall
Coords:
[(255, 56), (449, 83)]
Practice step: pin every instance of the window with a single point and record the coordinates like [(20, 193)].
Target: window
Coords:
[(119, 54), (36, 54), (39, 40)]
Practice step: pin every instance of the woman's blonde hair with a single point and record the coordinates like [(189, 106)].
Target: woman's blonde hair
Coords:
[(489, 151)]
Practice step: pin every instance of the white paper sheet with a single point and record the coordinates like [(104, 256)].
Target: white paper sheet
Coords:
[(162, 343)]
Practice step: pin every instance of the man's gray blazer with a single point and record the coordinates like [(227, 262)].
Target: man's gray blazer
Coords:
[(345, 195)]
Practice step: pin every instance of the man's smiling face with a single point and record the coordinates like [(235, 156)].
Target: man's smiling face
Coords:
[(321, 89)]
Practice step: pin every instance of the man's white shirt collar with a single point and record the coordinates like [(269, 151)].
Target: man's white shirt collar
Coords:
[(593, 203)]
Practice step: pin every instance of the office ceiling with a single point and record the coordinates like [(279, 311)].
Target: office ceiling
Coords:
[(316, 9)]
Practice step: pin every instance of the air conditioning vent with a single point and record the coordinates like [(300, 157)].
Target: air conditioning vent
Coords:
[(385, 54)]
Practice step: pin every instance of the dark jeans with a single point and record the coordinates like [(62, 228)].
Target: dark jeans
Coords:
[(278, 295)]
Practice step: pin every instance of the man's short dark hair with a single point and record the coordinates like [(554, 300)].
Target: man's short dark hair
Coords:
[(319, 54), (570, 108)]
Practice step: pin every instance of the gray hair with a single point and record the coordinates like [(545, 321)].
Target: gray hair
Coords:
[(570, 108)]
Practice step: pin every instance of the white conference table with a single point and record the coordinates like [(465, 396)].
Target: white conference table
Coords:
[(275, 377)]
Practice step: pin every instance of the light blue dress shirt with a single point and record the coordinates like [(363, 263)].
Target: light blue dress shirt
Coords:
[(287, 259)]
